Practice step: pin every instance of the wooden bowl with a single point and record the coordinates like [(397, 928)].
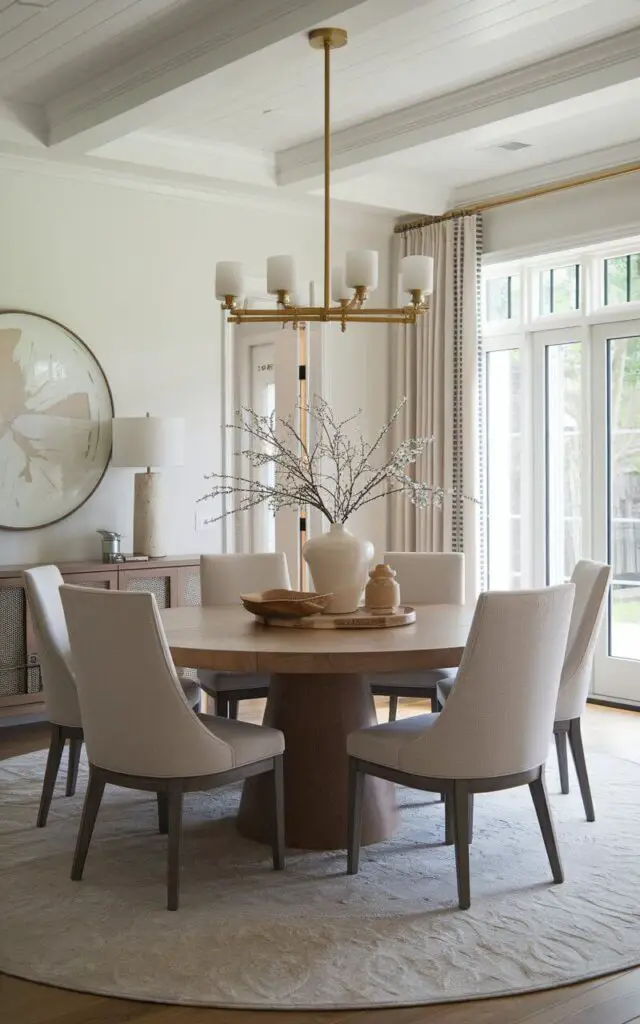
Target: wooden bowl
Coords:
[(285, 604)]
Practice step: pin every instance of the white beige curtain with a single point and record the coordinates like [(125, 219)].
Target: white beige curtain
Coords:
[(437, 366)]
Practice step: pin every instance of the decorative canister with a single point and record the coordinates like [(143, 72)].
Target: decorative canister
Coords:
[(382, 592)]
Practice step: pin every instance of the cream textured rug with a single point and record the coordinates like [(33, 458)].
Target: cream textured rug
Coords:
[(311, 937)]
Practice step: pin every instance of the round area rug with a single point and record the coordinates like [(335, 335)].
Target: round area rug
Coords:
[(311, 937)]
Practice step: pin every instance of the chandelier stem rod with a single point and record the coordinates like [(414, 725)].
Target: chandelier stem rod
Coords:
[(327, 173)]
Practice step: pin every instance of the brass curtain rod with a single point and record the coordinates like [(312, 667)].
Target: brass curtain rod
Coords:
[(519, 197)]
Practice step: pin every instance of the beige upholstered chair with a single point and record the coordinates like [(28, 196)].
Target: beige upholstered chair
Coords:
[(222, 579), (591, 581), (494, 730), (42, 586), (139, 729), (424, 579)]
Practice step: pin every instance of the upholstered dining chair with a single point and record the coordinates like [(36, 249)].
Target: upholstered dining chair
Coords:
[(171, 750), (42, 586), (424, 578), (493, 733), (591, 581), (222, 579)]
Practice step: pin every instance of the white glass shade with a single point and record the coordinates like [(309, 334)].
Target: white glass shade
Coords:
[(417, 274), (339, 289), (148, 441), (281, 274), (362, 268), (229, 279)]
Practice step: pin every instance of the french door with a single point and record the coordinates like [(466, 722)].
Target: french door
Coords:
[(562, 443), (586, 459)]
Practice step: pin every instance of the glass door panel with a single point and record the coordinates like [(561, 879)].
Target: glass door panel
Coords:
[(564, 458), (263, 401), (623, 364), (616, 401), (504, 454)]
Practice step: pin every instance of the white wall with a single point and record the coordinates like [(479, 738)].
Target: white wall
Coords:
[(600, 212), (131, 272)]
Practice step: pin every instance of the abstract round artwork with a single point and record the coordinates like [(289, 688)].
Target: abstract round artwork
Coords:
[(55, 421)]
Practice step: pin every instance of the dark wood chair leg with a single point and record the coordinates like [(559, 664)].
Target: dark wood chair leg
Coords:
[(197, 708), (174, 817), (540, 802), (92, 800), (163, 813), (470, 818), (56, 747), (222, 706), (436, 706), (449, 822), (577, 751), (563, 764), (233, 708), (461, 818), (75, 746), (393, 708), (354, 817), (278, 813)]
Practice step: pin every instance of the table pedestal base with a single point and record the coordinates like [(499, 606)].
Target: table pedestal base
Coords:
[(316, 713)]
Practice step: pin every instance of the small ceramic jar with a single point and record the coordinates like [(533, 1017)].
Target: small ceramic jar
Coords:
[(382, 593)]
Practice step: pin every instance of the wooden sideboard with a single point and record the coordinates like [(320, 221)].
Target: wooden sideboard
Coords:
[(174, 581)]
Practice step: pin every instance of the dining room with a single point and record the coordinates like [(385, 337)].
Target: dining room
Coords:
[(319, 513)]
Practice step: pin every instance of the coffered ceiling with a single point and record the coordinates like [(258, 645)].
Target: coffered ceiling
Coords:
[(434, 101)]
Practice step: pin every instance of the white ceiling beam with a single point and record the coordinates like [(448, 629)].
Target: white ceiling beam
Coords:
[(138, 91), (556, 80)]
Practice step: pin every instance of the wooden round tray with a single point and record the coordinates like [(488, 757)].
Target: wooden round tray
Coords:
[(361, 619)]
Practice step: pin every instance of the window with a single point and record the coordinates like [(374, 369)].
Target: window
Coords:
[(559, 290), (622, 279), (562, 434), (502, 298)]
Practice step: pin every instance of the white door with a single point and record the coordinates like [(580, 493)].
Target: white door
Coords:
[(616, 505)]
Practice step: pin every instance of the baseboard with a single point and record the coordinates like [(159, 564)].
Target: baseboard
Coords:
[(607, 702), (11, 721)]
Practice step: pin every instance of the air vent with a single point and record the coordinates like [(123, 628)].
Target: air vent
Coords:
[(512, 146)]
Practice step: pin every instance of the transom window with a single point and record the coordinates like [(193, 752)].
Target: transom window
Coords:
[(622, 279)]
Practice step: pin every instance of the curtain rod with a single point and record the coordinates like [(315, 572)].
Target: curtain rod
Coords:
[(519, 197)]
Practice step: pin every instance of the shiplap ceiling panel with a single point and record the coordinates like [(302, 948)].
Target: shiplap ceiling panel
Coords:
[(71, 38), (273, 99)]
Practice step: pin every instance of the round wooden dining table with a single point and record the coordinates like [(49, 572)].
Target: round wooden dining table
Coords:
[(318, 694)]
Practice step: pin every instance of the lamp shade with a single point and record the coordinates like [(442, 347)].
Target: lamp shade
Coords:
[(148, 441)]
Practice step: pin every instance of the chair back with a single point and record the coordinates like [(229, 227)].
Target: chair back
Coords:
[(224, 577), (428, 578), (499, 716), (591, 581), (135, 716), (42, 586)]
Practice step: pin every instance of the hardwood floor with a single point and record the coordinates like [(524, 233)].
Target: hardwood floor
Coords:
[(613, 1000)]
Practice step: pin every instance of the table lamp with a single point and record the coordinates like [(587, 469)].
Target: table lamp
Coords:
[(150, 441)]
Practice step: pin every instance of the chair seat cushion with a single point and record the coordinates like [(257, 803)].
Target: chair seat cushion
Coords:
[(407, 683), (249, 742), (191, 690), (383, 744), (445, 687), (218, 683)]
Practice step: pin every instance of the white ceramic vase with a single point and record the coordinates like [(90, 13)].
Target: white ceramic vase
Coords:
[(339, 565)]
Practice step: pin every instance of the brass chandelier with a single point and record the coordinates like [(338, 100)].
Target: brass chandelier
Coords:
[(348, 287)]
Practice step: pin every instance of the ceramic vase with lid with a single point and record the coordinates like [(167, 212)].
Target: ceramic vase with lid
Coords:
[(382, 592), (339, 563)]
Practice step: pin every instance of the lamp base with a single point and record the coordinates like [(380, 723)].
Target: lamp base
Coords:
[(147, 516)]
